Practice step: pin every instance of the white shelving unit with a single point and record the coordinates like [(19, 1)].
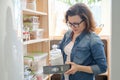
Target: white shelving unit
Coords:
[(37, 46)]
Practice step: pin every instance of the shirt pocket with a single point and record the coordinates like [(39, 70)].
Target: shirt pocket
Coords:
[(81, 54)]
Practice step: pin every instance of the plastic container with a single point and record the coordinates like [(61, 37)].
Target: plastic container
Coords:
[(24, 3), (31, 26), (56, 57), (31, 4), (39, 33), (32, 19), (38, 61)]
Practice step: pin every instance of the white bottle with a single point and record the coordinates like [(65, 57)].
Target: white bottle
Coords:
[(56, 57)]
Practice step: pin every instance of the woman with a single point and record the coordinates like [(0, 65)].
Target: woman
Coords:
[(81, 47)]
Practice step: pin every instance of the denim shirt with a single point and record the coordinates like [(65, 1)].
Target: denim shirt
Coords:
[(88, 50)]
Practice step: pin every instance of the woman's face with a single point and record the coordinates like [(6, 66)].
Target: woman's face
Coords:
[(76, 24)]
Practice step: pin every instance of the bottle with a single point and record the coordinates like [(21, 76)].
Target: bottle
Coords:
[(56, 57)]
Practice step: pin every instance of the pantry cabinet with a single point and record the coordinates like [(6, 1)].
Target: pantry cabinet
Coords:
[(35, 37)]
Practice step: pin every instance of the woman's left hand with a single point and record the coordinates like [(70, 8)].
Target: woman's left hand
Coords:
[(73, 69)]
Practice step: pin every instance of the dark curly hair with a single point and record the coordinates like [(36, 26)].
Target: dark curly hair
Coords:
[(84, 12)]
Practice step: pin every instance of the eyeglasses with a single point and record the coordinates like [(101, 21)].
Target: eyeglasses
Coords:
[(75, 25)]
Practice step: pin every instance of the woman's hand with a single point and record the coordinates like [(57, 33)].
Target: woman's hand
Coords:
[(73, 69)]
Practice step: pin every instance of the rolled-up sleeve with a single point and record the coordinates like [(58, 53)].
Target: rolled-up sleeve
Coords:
[(98, 55)]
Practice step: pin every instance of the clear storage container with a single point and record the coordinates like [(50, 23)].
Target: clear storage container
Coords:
[(32, 19), (31, 4), (56, 57), (39, 60)]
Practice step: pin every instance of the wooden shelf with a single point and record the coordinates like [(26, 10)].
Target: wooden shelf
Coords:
[(32, 12), (56, 37), (47, 77), (35, 41)]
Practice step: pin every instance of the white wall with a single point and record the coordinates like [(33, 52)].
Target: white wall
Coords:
[(115, 46)]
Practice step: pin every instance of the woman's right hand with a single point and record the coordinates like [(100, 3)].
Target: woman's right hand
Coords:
[(73, 69)]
